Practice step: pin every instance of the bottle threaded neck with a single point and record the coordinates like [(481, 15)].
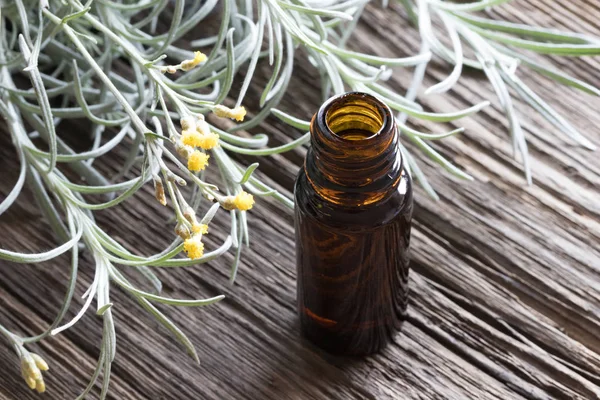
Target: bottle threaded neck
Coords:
[(354, 158)]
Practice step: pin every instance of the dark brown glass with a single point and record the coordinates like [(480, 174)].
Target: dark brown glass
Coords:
[(353, 217)]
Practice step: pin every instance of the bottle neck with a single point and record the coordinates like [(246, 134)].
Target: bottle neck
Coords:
[(354, 159)]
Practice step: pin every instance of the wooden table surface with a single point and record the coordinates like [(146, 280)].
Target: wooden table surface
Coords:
[(505, 279)]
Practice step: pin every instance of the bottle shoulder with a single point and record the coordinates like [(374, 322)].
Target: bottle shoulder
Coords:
[(399, 204)]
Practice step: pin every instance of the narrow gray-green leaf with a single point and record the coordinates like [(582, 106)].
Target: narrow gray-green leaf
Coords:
[(438, 158), (167, 323), (290, 120)]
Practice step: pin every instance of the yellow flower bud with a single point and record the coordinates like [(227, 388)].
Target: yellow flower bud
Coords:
[(40, 386), (30, 382), (237, 113), (40, 362), (31, 367), (189, 64)]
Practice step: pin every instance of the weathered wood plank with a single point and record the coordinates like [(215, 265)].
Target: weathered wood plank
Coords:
[(505, 283)]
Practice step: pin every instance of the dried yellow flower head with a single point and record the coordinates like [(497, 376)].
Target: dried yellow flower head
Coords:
[(189, 64), (242, 201), (31, 367), (197, 161), (200, 228), (193, 247), (237, 113)]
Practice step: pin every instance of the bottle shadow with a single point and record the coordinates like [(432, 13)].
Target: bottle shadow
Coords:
[(308, 372)]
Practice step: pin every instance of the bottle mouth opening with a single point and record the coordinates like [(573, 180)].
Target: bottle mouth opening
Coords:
[(356, 116)]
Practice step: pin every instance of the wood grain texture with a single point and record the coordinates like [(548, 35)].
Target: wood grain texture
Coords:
[(505, 283)]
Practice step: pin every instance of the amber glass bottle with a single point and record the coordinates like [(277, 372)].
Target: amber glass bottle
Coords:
[(353, 216)]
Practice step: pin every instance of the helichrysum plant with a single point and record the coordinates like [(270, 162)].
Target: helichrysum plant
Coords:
[(107, 62), (498, 49)]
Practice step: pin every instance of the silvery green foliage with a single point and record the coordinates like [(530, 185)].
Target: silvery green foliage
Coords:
[(497, 46), (108, 62), (105, 61)]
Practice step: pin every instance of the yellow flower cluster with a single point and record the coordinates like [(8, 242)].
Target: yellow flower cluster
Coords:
[(194, 138), (237, 113), (242, 201), (196, 134), (31, 367), (192, 243), (199, 57)]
